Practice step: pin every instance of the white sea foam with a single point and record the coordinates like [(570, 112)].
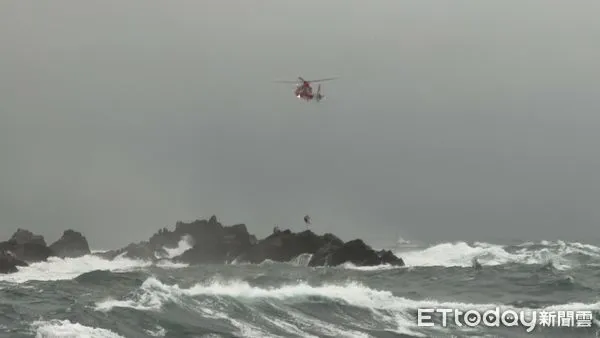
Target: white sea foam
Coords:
[(352, 266), (185, 243), (301, 259), (64, 328), (396, 312), (167, 264), (159, 331), (68, 268), (97, 251), (462, 254), (153, 294)]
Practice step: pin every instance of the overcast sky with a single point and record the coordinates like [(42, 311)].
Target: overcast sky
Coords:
[(452, 120)]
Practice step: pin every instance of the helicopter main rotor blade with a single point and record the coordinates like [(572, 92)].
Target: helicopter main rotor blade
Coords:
[(321, 80), (300, 80)]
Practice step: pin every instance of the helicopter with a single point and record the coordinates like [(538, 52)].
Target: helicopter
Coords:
[(304, 90), (307, 220)]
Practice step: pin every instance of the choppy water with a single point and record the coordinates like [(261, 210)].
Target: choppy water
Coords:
[(91, 297)]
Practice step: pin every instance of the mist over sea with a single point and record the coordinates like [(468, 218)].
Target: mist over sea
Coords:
[(93, 297)]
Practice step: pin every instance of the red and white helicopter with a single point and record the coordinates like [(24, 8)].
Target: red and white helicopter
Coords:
[(304, 91)]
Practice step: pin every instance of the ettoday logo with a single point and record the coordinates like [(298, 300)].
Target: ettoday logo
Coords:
[(508, 318)]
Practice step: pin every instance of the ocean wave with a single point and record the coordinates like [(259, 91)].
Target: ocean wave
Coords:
[(65, 328), (558, 254), (562, 255), (379, 309), (69, 268), (302, 260), (55, 268), (185, 243), (382, 267), (154, 294)]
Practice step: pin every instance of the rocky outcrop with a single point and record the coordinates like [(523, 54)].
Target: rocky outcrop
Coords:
[(22, 236), (326, 250), (284, 245), (388, 257), (71, 244), (9, 263), (26, 246), (355, 252), (215, 243), (210, 241), (141, 250)]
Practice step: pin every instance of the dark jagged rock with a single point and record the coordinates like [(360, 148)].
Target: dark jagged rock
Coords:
[(151, 250), (165, 238), (388, 257), (284, 245), (71, 244), (27, 246), (9, 263), (209, 252), (322, 256), (355, 252), (142, 250), (22, 236), (213, 242)]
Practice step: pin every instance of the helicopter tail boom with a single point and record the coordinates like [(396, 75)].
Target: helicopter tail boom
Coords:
[(319, 96)]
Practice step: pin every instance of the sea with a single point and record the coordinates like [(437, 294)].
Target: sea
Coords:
[(533, 289)]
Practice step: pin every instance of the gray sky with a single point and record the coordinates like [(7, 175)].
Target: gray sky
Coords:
[(452, 119)]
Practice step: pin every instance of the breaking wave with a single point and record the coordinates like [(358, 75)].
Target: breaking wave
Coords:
[(134, 298), (289, 309), (64, 328), (185, 243), (68, 268), (560, 254), (55, 268)]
